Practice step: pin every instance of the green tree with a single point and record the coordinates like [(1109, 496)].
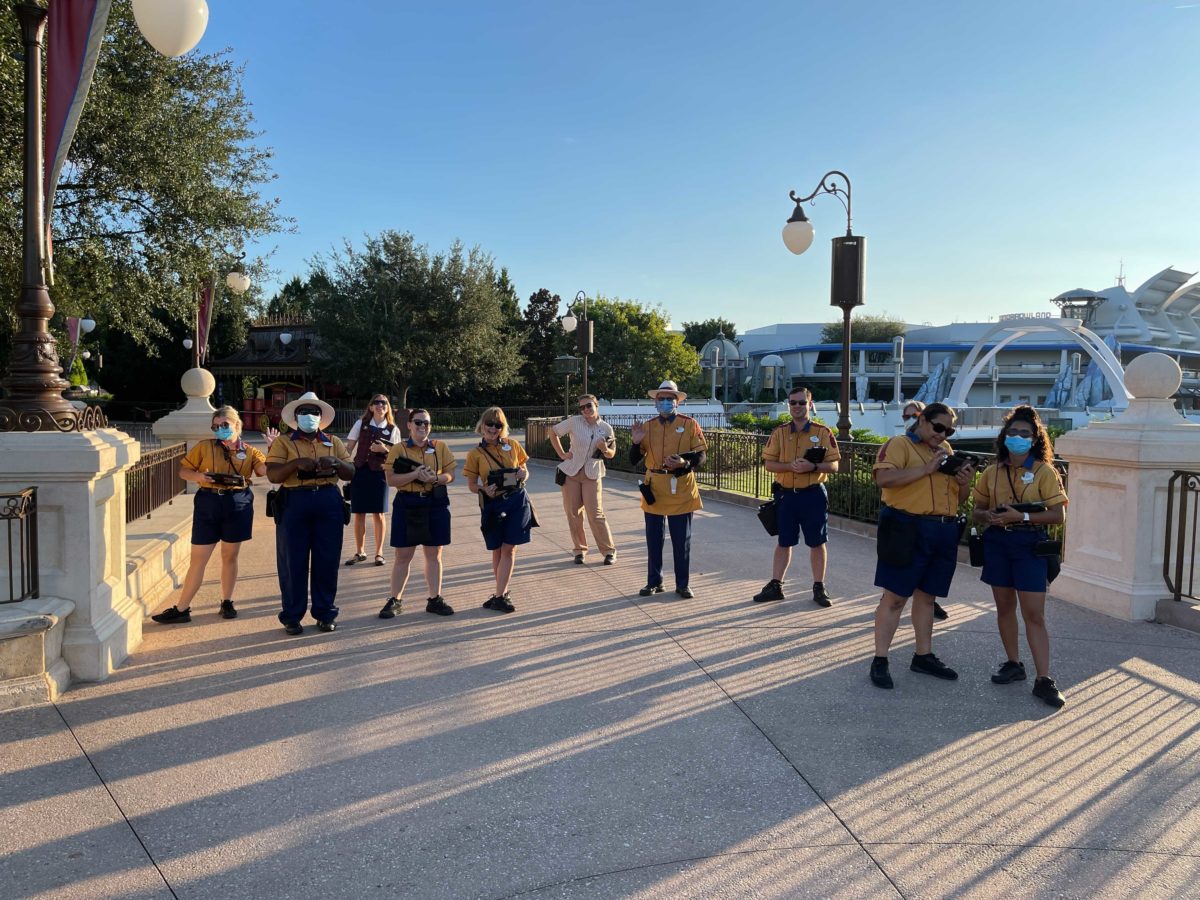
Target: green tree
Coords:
[(291, 301), (542, 339), (634, 350), (700, 333), (866, 327), (165, 175), (394, 316)]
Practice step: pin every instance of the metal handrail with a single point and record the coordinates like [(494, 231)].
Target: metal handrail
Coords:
[(18, 512), (153, 481), (1179, 547)]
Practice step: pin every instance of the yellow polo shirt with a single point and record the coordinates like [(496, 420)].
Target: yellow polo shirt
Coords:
[(504, 454), (930, 495), (214, 456), (1038, 483), (436, 455), (677, 435), (285, 449), (788, 443)]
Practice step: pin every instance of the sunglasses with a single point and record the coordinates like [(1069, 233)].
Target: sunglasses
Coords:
[(492, 425), (379, 403), (308, 411), (797, 403), (217, 426), (421, 423), (939, 428), (1019, 432)]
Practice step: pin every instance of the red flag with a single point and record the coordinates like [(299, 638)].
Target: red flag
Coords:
[(73, 329), (75, 31), (204, 318)]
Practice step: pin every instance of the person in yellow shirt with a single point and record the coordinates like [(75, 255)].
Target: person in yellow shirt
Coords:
[(673, 447), (801, 454), (496, 472), (917, 540), (308, 464), (223, 467), (1022, 474), (419, 469)]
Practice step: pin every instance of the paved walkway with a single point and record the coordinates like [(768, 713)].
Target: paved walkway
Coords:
[(598, 744)]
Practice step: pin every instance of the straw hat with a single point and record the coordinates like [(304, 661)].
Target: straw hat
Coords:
[(289, 412), (667, 387)]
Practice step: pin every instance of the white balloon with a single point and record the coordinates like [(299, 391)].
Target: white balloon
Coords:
[(172, 27)]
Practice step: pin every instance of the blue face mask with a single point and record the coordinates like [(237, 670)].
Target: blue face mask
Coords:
[(224, 433), (1018, 445), (666, 407), (308, 423)]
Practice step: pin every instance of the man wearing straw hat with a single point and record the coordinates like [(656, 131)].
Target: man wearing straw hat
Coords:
[(307, 464), (673, 447)]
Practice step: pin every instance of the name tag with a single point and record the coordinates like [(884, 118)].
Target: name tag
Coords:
[(429, 450), (1027, 478), (679, 430), (241, 454), (506, 447), (815, 439)]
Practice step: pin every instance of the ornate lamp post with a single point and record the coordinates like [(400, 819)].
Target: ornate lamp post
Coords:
[(583, 336), (849, 268), (567, 365)]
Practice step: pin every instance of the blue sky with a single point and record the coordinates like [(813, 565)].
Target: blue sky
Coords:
[(1000, 153)]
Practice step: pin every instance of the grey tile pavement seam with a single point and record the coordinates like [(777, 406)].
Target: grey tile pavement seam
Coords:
[(116, 803), (1034, 845)]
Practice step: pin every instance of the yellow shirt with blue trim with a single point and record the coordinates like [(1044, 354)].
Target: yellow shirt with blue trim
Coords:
[(1034, 482), (675, 435), (285, 449), (929, 495), (504, 454), (435, 454), (214, 456), (788, 443)]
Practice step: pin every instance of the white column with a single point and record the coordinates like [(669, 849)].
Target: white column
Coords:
[(1116, 519), (80, 477), (194, 422)]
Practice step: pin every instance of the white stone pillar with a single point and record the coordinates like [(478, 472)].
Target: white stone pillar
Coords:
[(194, 422), (80, 477), (1116, 520)]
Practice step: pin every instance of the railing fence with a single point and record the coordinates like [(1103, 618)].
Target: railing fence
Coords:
[(1179, 548), (18, 512), (153, 481)]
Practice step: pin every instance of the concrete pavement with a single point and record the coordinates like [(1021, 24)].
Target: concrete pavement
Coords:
[(601, 744)]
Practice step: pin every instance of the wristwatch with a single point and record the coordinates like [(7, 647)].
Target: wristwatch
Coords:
[(1025, 518)]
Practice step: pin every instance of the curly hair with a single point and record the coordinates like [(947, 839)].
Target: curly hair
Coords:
[(1041, 449)]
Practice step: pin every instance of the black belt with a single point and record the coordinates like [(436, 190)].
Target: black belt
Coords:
[(1021, 526), (310, 487), (779, 488), (225, 490), (930, 518)]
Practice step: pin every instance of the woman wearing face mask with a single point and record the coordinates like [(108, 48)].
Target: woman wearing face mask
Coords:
[(1022, 474), (917, 537), (505, 513), (581, 475), (370, 439), (224, 508)]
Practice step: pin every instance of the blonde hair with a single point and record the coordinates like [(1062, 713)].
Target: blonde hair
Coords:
[(493, 413), (369, 416), (591, 398), (231, 414)]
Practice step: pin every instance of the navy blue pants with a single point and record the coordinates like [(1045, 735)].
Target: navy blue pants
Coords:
[(681, 547), (307, 550)]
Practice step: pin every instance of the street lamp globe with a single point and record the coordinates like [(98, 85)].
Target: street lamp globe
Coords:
[(798, 233), (285, 338), (172, 27), (569, 322), (86, 354), (187, 344), (238, 282), (87, 326)]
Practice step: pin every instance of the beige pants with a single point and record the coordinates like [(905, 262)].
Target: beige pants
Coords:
[(580, 493)]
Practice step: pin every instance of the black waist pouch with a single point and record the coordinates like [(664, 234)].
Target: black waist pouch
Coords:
[(975, 549), (346, 504), (275, 503), (768, 514), (647, 492), (896, 540), (560, 477), (1051, 551)]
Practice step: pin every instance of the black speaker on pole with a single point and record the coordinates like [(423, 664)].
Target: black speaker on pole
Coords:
[(849, 271), (584, 337)]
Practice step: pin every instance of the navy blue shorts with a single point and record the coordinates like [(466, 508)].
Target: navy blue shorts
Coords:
[(807, 511), (1008, 560), (506, 521), (934, 559), (368, 491), (409, 512), (227, 517)]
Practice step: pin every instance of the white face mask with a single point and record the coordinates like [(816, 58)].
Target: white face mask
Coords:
[(308, 423)]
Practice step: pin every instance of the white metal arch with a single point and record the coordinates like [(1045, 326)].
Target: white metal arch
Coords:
[(1099, 351)]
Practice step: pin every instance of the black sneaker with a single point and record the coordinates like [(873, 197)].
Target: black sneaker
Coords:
[(1009, 672), (173, 616), (499, 604), (356, 558), (227, 610), (931, 665), (880, 676), (293, 628), (438, 606), (685, 593), (390, 608), (938, 613), (610, 559), (772, 590), (327, 626), (579, 559), (1047, 691), (651, 589), (819, 596)]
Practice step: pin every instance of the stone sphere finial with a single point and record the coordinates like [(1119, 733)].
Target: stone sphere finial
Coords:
[(1153, 376), (198, 383)]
